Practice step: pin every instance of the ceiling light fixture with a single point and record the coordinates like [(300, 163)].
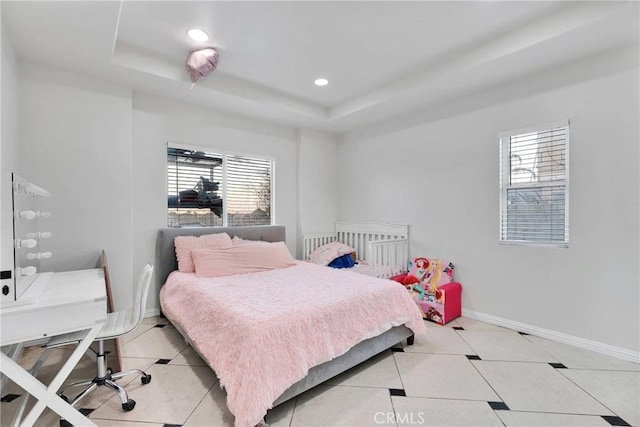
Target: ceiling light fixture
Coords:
[(321, 82), (198, 35)]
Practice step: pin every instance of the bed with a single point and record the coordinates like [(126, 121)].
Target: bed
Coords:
[(261, 385), (381, 247)]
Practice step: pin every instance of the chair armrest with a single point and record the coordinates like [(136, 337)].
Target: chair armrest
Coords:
[(453, 287)]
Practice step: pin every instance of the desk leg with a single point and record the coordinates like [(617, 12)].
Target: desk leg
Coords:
[(47, 396), (24, 399), (13, 351)]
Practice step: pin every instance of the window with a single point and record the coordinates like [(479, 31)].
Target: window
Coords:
[(210, 189), (534, 191)]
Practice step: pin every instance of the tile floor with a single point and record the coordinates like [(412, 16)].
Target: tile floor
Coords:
[(467, 373)]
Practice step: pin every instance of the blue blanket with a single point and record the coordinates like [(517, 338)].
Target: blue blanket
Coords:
[(345, 261)]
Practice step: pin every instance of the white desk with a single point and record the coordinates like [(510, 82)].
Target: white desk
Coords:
[(70, 301)]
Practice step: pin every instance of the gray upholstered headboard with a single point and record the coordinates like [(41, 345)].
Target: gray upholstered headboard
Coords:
[(166, 252)]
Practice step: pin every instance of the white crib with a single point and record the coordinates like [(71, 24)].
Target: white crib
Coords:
[(383, 247)]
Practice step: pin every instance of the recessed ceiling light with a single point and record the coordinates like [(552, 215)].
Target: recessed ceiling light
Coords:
[(198, 35), (321, 82)]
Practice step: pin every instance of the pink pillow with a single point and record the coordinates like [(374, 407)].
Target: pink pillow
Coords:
[(186, 244), (327, 253), (241, 259), (238, 241)]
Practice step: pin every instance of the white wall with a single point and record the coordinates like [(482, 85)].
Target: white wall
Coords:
[(157, 121), (442, 178), (101, 152), (317, 182), (8, 148), (75, 142)]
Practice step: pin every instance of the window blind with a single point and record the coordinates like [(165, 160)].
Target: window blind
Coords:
[(534, 204), (210, 189), (248, 191)]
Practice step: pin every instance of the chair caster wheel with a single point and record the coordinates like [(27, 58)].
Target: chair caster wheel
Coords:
[(146, 379), (129, 405), (65, 423)]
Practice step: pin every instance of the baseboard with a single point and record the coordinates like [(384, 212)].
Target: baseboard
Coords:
[(152, 312), (598, 347)]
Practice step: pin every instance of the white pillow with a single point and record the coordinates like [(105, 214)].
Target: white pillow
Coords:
[(327, 253)]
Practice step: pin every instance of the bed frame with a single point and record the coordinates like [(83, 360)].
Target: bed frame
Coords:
[(384, 246), (166, 263)]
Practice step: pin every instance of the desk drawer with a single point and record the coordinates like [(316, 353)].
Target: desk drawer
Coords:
[(27, 325)]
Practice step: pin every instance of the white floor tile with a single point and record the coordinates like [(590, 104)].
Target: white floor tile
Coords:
[(50, 366), (379, 371), (540, 419), (136, 363), (433, 325), (438, 380), (158, 343), (412, 411), (475, 325), (342, 406), (537, 387), (508, 345), (30, 355), (442, 376), (619, 391), (47, 418), (575, 357), (212, 410), (188, 356), (85, 370), (281, 415), (101, 394), (120, 423), (440, 340), (139, 330), (170, 397)]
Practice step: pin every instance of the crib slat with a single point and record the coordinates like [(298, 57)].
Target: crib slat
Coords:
[(384, 246)]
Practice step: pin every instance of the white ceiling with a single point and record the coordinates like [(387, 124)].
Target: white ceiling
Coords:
[(383, 59)]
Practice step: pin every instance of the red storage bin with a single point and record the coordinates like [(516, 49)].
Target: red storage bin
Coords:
[(441, 307)]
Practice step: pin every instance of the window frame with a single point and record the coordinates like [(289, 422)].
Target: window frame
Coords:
[(223, 185), (505, 185)]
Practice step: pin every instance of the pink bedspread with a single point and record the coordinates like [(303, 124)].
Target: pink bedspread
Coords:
[(262, 332)]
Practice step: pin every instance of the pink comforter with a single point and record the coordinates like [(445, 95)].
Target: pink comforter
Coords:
[(261, 332)]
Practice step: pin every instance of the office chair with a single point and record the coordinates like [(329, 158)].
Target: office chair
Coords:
[(118, 323)]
